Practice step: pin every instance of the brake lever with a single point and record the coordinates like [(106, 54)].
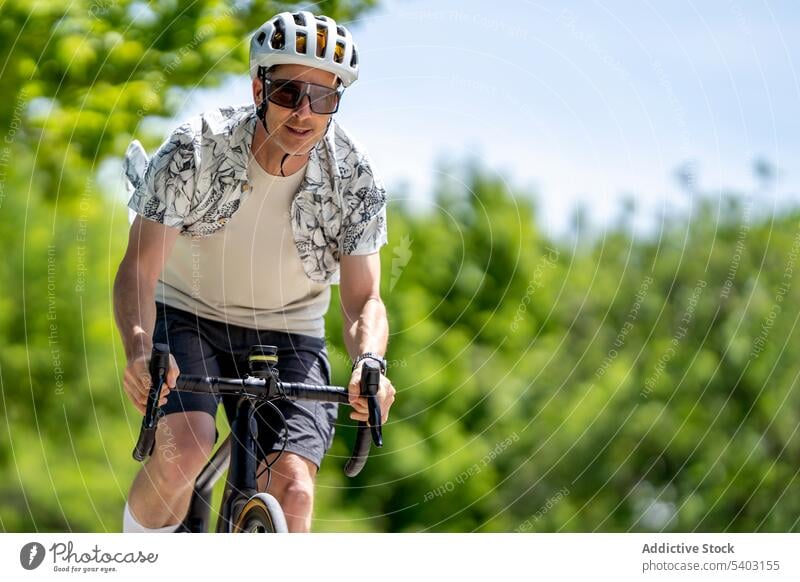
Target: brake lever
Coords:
[(159, 364), (370, 383)]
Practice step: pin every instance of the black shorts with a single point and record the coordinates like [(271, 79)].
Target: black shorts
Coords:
[(211, 348)]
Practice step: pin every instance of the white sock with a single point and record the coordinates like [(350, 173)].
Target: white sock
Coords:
[(130, 525)]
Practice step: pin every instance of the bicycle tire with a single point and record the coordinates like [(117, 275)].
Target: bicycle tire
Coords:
[(261, 514)]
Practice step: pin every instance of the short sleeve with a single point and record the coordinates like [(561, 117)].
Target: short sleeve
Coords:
[(163, 187), (365, 216)]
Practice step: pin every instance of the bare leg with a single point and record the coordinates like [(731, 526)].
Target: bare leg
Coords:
[(162, 489), (292, 485)]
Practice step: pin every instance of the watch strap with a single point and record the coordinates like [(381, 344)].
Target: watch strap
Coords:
[(371, 356)]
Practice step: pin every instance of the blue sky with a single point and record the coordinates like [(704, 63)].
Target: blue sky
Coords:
[(579, 102)]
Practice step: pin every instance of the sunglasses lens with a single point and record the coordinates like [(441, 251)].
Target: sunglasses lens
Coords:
[(285, 94), (324, 100)]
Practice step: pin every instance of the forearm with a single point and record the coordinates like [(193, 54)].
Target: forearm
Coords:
[(369, 332), (134, 311)]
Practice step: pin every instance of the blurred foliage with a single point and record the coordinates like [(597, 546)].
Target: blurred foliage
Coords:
[(611, 383), (86, 73), (604, 383), (607, 383)]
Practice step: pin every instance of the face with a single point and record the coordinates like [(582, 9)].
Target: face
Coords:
[(296, 131)]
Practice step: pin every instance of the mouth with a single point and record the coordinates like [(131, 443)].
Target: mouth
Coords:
[(298, 132)]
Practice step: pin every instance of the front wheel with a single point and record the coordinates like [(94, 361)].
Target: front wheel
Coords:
[(261, 514)]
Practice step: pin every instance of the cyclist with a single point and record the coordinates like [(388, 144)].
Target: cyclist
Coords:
[(245, 217)]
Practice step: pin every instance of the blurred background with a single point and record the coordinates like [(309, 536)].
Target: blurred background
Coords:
[(590, 277)]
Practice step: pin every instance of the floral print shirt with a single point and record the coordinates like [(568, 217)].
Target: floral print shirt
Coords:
[(198, 178)]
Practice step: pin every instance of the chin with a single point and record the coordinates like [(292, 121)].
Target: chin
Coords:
[(297, 147), (294, 149)]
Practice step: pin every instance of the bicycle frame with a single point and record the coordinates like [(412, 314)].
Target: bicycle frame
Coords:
[(196, 520), (237, 453)]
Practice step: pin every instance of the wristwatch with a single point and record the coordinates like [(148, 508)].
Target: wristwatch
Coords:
[(371, 356)]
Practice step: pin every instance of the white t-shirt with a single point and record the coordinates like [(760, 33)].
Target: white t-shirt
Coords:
[(249, 272)]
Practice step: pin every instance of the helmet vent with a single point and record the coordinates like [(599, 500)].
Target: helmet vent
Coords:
[(338, 55), (278, 40), (301, 42), (322, 39), (354, 59), (261, 38)]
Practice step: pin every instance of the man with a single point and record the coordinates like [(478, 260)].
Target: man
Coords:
[(252, 213)]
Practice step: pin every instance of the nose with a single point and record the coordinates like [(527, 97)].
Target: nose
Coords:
[(303, 109)]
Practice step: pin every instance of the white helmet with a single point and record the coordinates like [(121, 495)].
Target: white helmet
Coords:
[(300, 38)]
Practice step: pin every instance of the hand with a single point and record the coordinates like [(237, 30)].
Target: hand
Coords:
[(137, 381), (385, 396)]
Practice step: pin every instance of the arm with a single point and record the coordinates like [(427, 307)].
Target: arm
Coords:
[(366, 328), (161, 193), (149, 245)]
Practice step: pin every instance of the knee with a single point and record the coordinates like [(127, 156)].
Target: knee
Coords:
[(177, 461), (298, 497), (181, 469)]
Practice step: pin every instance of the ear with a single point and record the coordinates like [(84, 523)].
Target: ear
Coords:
[(257, 87)]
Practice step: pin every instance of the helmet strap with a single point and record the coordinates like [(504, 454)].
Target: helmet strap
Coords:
[(261, 110)]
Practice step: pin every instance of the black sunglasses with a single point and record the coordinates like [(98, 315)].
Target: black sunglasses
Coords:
[(288, 93)]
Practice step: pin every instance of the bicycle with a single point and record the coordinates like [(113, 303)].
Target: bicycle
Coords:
[(244, 509)]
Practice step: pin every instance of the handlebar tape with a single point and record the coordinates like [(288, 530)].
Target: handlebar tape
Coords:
[(370, 381), (159, 364)]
